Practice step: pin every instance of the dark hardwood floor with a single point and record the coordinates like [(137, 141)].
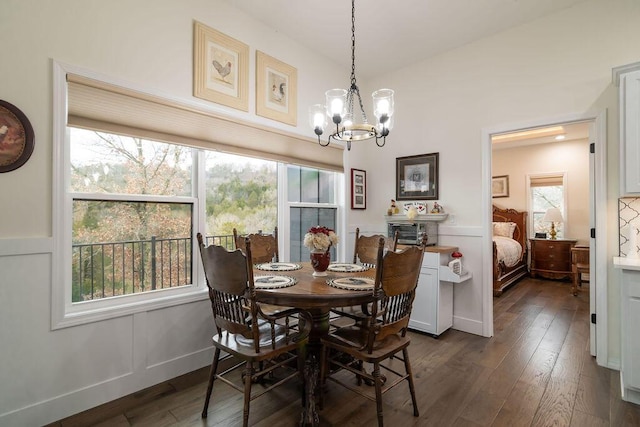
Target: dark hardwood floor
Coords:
[(535, 371)]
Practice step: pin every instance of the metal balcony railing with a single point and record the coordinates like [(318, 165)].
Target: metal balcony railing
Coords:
[(102, 270)]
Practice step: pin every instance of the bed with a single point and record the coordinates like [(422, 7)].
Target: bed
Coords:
[(509, 248)]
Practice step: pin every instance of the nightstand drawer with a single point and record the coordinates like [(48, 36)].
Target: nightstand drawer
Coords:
[(550, 255), (553, 265)]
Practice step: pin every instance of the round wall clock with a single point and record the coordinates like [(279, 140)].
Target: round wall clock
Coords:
[(16, 137)]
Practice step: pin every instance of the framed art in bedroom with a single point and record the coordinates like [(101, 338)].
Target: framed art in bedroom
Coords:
[(358, 189), (220, 68), (500, 186), (417, 177)]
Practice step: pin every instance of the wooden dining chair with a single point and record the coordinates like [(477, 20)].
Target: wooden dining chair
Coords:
[(264, 246), (382, 335), (260, 342), (366, 247), (366, 252)]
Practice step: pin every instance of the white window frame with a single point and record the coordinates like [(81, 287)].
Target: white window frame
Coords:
[(565, 224), (64, 313)]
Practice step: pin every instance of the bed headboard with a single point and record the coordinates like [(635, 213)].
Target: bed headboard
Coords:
[(519, 218)]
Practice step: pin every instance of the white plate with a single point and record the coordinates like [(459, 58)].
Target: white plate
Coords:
[(352, 283), (278, 266), (272, 281), (347, 268)]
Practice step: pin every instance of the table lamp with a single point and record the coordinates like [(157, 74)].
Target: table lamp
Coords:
[(553, 215)]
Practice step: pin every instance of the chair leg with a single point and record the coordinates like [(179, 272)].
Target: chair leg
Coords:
[(412, 389), (248, 377), (377, 381), (212, 377)]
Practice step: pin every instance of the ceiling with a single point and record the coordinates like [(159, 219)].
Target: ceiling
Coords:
[(543, 135), (393, 35)]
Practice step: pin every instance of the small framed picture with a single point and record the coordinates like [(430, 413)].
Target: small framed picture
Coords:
[(358, 189), (500, 186), (220, 68), (276, 89), (541, 235), (417, 177)]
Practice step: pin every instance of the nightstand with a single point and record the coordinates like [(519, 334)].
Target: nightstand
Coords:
[(551, 259)]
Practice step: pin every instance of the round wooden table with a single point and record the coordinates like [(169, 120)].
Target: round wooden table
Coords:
[(315, 296)]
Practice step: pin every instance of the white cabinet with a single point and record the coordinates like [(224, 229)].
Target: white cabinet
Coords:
[(628, 77), (630, 319), (433, 306)]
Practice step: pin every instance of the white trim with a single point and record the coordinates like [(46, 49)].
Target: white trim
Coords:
[(26, 246), (602, 287), (600, 121)]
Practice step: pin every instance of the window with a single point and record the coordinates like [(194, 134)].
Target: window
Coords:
[(546, 191), (132, 190), (311, 194), (132, 215), (241, 193)]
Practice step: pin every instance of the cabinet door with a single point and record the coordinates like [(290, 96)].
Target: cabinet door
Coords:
[(424, 314), (630, 132)]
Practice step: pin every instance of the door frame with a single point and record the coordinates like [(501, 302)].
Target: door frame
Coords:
[(598, 191)]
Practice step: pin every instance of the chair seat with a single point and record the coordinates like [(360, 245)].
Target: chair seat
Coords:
[(264, 329), (351, 340), (231, 343)]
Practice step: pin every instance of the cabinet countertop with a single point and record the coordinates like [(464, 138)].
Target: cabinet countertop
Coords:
[(435, 249)]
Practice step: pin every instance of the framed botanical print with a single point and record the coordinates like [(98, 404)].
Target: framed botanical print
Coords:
[(220, 68), (16, 137), (358, 189), (417, 177), (276, 89)]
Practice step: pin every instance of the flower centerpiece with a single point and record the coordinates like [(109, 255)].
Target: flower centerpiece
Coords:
[(319, 240)]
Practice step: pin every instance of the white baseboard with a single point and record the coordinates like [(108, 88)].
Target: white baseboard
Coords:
[(467, 325)]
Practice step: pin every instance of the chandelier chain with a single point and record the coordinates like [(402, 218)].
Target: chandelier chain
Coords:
[(353, 42), (354, 87)]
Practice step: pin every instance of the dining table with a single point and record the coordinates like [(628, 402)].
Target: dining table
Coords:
[(343, 285)]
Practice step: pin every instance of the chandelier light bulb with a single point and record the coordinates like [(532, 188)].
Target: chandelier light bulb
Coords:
[(317, 118), (382, 103)]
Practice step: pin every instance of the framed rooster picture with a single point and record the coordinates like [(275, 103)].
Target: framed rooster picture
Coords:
[(220, 68), (276, 89)]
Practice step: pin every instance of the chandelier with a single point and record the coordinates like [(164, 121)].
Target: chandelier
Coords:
[(339, 106)]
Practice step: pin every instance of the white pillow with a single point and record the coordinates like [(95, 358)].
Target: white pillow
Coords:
[(504, 229)]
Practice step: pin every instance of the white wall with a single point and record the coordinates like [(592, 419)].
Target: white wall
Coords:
[(553, 67), (47, 375), (570, 157)]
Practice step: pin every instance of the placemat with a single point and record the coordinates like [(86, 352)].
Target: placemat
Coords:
[(347, 268), (272, 281), (352, 283), (278, 266)]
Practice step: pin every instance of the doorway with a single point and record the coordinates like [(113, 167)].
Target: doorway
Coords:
[(590, 132)]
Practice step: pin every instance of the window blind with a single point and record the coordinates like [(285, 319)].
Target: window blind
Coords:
[(93, 104), (546, 180)]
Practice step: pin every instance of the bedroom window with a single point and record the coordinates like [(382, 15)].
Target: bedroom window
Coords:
[(547, 191)]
